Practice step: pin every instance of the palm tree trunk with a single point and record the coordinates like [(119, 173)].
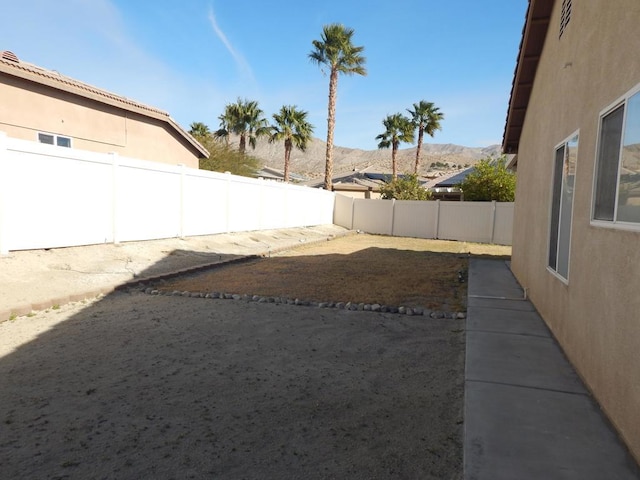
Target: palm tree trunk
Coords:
[(287, 158), (243, 144), (394, 163), (331, 123), (419, 149)]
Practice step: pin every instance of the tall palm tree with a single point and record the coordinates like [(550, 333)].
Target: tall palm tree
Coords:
[(336, 51), (245, 119), (426, 117), (291, 125), (398, 129)]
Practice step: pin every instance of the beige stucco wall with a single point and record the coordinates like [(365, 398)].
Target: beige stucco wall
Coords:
[(596, 316), (27, 108)]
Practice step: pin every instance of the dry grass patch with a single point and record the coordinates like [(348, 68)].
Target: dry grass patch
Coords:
[(356, 268)]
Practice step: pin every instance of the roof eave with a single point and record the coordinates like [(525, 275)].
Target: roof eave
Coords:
[(534, 33)]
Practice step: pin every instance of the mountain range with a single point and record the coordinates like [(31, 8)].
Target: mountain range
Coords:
[(311, 162)]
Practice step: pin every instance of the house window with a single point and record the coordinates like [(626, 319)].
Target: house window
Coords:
[(51, 139), (564, 173), (565, 16), (617, 182)]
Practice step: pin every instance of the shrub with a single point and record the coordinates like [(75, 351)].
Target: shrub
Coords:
[(405, 187), (222, 158), (489, 180)]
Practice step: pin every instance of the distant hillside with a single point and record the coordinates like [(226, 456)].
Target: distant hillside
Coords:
[(312, 162)]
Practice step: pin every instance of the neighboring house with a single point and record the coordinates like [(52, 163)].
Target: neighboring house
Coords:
[(268, 173), (448, 186), (44, 106), (574, 122)]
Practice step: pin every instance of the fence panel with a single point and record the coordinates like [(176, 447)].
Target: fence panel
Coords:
[(466, 221), (204, 202), (343, 213), (148, 200), (415, 219), (53, 201), (503, 228), (373, 216)]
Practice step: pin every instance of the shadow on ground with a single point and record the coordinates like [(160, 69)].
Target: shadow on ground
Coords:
[(141, 386)]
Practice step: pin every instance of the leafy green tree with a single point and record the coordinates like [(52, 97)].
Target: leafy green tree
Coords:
[(406, 187), (291, 125), (490, 180), (398, 128), (336, 51), (245, 119), (426, 117), (221, 157)]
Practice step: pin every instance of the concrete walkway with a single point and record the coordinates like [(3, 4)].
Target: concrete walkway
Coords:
[(527, 413)]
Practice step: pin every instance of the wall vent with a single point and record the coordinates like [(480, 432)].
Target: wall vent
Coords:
[(565, 16), (10, 56)]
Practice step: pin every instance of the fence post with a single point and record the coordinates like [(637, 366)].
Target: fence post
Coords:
[(493, 220), (353, 211), (393, 214), (228, 202), (437, 220), (4, 170), (115, 203), (181, 188)]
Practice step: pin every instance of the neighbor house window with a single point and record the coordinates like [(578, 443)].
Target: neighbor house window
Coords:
[(564, 173), (617, 179), (51, 139)]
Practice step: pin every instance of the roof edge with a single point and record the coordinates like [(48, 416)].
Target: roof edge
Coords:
[(538, 14)]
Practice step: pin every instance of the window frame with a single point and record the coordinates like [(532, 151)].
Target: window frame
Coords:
[(55, 139), (616, 224), (564, 144)]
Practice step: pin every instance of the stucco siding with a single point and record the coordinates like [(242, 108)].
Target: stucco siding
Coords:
[(28, 108), (595, 314)]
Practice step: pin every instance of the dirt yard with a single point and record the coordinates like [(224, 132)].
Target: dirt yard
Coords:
[(134, 386), (358, 268)]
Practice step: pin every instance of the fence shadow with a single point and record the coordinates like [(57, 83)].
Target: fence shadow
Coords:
[(142, 386)]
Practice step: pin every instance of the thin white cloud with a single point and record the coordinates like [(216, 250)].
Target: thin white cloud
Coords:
[(242, 64)]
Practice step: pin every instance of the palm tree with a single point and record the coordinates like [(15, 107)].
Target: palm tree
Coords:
[(199, 130), (398, 129), (291, 125), (336, 51), (226, 119), (245, 119), (426, 117)]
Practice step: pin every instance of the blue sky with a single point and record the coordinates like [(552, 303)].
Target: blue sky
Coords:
[(191, 57)]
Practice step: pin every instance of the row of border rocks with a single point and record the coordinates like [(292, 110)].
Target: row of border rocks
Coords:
[(367, 307)]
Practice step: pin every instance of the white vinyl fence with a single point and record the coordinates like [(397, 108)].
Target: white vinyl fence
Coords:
[(57, 197), (481, 222)]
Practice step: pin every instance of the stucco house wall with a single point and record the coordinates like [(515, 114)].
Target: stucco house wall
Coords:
[(595, 312), (36, 100)]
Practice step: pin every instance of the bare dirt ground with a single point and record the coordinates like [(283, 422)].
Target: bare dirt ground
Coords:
[(134, 386), (358, 268)]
